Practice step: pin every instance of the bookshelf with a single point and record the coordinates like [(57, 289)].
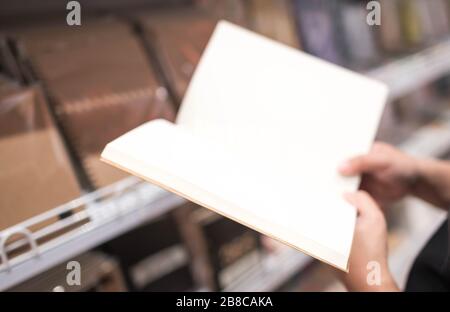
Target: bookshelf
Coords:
[(111, 211)]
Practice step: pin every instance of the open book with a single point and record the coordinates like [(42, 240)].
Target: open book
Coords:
[(259, 137)]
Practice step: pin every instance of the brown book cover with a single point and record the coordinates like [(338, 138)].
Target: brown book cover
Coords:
[(390, 31)]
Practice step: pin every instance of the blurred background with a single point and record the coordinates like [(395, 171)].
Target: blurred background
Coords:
[(66, 91)]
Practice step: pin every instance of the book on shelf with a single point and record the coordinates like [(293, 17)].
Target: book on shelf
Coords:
[(390, 31), (274, 19), (317, 24), (361, 49), (259, 137)]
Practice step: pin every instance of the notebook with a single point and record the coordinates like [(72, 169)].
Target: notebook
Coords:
[(259, 136)]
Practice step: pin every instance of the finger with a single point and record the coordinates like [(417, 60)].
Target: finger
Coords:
[(362, 164), (362, 201)]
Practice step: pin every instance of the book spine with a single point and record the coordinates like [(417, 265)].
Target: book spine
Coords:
[(360, 44), (273, 19), (390, 31), (413, 32), (317, 28)]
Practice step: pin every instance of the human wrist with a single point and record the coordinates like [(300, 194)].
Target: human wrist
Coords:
[(432, 182), (420, 171)]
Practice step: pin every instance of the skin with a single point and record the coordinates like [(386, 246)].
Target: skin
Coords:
[(388, 175)]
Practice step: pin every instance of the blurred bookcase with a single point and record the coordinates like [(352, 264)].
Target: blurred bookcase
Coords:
[(409, 51)]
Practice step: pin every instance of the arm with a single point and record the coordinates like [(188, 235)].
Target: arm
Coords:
[(389, 175), (433, 182)]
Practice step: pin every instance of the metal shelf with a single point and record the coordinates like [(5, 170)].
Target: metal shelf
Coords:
[(432, 140), (414, 71), (108, 213)]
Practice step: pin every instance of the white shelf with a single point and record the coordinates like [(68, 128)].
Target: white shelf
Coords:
[(111, 211), (432, 140), (414, 71)]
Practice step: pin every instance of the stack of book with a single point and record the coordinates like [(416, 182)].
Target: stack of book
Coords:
[(338, 31)]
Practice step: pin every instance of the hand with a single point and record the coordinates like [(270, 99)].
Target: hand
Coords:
[(368, 262), (388, 174)]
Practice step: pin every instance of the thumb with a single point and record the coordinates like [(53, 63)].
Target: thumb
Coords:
[(362, 201)]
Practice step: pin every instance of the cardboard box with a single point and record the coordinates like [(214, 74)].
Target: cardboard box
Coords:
[(35, 172)]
